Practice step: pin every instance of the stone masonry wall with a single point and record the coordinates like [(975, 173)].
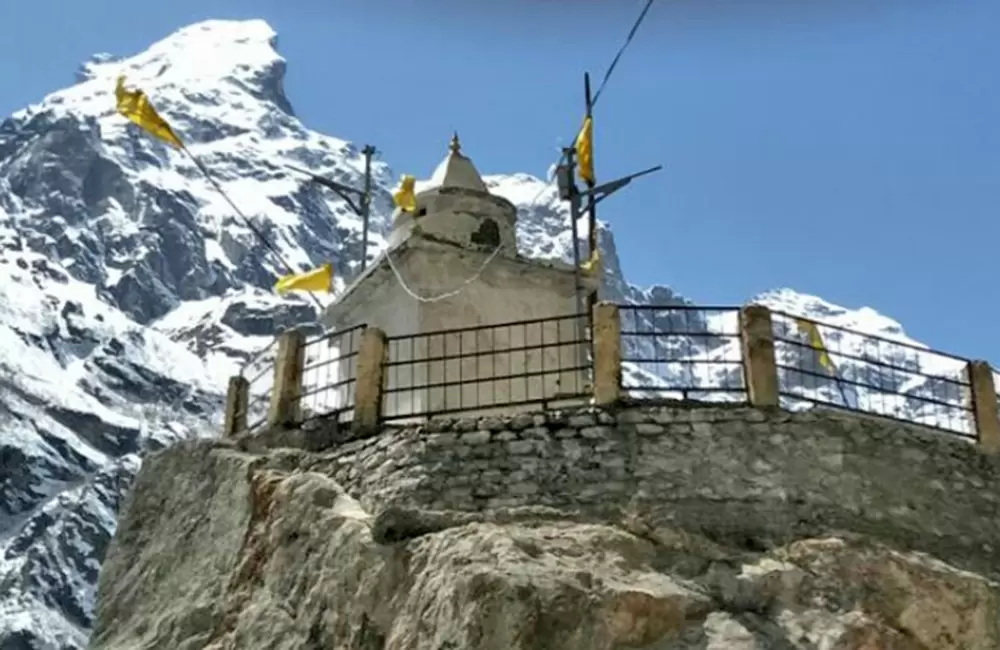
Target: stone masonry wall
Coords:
[(740, 475)]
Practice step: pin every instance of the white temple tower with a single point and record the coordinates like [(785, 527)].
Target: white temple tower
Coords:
[(453, 264)]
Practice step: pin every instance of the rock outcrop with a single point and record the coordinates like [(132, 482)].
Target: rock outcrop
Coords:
[(382, 544)]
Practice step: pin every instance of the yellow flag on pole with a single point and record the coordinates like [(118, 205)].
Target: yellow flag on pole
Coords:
[(585, 150), (134, 105), (319, 279), (405, 197), (816, 342)]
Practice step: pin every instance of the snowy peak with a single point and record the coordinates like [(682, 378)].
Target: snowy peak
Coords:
[(863, 320), (213, 49), (220, 63), (91, 68), (108, 201)]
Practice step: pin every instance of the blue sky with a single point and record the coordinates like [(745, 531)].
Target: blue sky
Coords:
[(849, 148)]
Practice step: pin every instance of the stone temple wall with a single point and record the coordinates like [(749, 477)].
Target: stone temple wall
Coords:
[(741, 475)]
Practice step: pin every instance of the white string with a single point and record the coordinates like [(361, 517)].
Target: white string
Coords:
[(442, 296)]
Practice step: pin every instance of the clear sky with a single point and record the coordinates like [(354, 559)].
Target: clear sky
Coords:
[(849, 148)]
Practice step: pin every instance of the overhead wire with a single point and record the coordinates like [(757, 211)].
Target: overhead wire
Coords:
[(621, 50), (246, 220), (289, 269), (135, 106), (611, 68)]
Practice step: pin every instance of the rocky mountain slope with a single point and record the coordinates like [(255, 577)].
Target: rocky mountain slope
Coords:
[(652, 527), (130, 291)]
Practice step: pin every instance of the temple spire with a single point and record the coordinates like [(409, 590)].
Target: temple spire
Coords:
[(456, 170)]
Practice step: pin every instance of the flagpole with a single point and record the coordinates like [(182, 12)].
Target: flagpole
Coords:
[(574, 215), (843, 393), (816, 343), (135, 106), (362, 207), (591, 203), (366, 202), (591, 182), (836, 378), (840, 384), (565, 174)]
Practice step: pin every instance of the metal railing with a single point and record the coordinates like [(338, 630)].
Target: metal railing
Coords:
[(329, 374), (676, 352), (871, 374), (259, 373), (537, 362), (681, 352)]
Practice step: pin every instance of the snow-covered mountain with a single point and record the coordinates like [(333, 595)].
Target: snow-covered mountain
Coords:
[(130, 292)]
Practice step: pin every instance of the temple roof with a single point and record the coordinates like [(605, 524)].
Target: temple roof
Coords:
[(457, 171)]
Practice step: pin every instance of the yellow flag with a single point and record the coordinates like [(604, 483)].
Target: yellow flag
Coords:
[(816, 341), (585, 151), (134, 105), (320, 279), (593, 264), (405, 197)]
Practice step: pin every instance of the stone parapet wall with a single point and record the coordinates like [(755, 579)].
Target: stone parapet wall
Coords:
[(741, 475)]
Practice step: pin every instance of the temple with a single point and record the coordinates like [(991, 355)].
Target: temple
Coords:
[(453, 263)]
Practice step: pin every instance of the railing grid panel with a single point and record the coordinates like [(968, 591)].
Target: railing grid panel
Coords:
[(329, 375), (259, 373), (681, 352), (536, 362), (871, 374)]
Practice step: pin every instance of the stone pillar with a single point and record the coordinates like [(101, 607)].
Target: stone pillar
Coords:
[(237, 403), (607, 354), (284, 408), (760, 372), (368, 387), (984, 406)]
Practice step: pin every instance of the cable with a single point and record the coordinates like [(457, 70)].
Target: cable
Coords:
[(614, 62), (129, 105), (256, 231), (448, 294), (246, 220), (621, 50)]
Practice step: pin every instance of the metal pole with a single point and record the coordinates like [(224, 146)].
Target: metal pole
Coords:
[(366, 202), (574, 216), (591, 209), (591, 213)]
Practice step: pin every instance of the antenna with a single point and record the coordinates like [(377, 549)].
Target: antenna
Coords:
[(593, 194), (359, 201)]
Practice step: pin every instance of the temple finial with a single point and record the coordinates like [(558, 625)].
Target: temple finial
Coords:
[(455, 145)]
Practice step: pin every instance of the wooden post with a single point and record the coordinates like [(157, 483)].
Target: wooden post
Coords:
[(237, 403), (607, 354), (760, 372), (284, 408), (368, 387), (984, 406)]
